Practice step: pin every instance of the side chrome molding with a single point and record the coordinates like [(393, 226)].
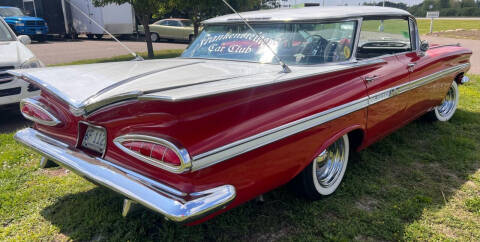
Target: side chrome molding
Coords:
[(242, 146), (256, 141), (397, 90)]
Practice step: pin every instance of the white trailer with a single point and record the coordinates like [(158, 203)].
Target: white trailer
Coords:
[(116, 19)]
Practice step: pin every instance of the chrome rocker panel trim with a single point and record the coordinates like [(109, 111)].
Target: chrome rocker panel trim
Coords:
[(239, 147), (173, 204)]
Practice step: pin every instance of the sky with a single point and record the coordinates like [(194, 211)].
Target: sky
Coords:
[(351, 2)]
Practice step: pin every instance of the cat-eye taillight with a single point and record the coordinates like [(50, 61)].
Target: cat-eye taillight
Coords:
[(37, 112), (155, 151)]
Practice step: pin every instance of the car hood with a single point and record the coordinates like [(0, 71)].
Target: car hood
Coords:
[(88, 87), (22, 18), (13, 53)]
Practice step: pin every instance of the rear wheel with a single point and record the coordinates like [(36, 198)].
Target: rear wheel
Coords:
[(99, 36), (447, 108), (323, 176), (90, 36)]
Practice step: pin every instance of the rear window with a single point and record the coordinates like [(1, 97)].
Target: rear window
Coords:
[(295, 43)]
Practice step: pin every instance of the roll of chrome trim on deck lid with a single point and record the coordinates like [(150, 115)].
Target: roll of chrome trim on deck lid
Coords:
[(173, 204)]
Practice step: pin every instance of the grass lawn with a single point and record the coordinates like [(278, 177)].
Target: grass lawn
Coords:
[(443, 24), (420, 183)]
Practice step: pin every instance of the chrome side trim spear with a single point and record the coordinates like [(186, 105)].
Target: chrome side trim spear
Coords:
[(285, 68)]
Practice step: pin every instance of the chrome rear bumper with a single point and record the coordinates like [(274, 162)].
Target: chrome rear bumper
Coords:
[(173, 204)]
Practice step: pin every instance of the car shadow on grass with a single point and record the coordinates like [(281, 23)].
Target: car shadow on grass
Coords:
[(11, 119), (387, 187)]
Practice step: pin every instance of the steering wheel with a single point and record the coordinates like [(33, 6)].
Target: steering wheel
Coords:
[(329, 52), (314, 48)]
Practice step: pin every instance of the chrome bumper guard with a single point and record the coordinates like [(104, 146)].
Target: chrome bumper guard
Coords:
[(173, 204)]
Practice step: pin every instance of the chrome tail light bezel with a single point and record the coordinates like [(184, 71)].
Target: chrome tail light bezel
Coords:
[(182, 153), (40, 106)]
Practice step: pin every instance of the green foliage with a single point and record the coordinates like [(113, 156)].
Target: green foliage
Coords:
[(447, 8), (446, 24), (388, 4)]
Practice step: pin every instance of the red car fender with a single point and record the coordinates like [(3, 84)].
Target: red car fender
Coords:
[(335, 137)]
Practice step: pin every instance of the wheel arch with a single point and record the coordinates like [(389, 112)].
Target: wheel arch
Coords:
[(458, 78), (356, 136)]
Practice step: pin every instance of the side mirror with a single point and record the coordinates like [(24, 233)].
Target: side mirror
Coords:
[(424, 46), (24, 39)]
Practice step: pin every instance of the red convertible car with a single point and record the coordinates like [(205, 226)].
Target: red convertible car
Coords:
[(242, 112)]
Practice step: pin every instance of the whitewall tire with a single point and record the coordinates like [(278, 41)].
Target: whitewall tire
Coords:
[(447, 108), (325, 173)]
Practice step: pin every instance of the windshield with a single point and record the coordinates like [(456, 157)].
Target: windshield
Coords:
[(295, 43), (5, 34), (186, 23), (11, 12)]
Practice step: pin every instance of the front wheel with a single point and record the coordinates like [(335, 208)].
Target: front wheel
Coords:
[(447, 108), (325, 173)]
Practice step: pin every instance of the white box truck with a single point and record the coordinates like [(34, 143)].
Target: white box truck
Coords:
[(116, 19)]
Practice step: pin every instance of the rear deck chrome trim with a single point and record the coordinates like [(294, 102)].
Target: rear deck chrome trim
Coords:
[(175, 205)]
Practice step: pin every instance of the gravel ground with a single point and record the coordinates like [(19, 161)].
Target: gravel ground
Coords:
[(473, 45), (57, 52)]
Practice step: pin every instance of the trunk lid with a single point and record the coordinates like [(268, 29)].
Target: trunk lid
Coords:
[(88, 87)]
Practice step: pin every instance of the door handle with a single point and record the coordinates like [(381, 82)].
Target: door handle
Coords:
[(370, 78)]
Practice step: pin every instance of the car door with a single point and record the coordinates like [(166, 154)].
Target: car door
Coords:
[(384, 39), (420, 65), (176, 29)]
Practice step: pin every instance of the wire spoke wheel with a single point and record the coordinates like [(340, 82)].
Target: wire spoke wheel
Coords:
[(329, 167), (447, 108), (329, 164), (325, 172)]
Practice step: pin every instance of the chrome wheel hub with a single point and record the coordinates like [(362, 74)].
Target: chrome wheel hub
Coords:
[(448, 103), (330, 163)]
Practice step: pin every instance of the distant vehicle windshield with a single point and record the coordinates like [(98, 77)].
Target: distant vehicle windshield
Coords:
[(11, 12), (5, 34), (295, 43), (186, 23)]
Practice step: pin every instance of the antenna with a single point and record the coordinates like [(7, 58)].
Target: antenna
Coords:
[(285, 68), (137, 57)]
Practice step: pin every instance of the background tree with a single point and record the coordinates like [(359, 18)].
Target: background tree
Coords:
[(144, 10), (199, 10)]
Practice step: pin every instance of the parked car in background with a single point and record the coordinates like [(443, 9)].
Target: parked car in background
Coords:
[(22, 24), (195, 136), (170, 29), (15, 55)]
